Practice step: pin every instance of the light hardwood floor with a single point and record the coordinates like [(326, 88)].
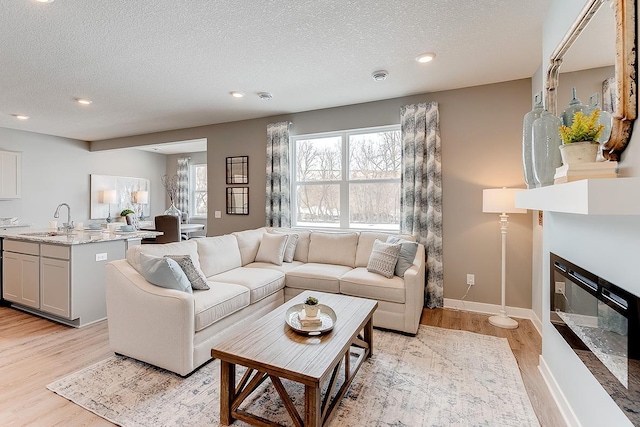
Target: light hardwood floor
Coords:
[(35, 352)]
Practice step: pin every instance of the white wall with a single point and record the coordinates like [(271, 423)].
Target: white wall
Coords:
[(605, 245), (56, 170)]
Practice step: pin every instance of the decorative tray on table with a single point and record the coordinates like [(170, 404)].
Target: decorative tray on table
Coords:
[(326, 314)]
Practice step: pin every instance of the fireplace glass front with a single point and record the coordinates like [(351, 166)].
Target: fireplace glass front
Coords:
[(599, 320)]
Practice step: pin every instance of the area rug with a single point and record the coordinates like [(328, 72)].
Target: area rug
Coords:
[(441, 377)]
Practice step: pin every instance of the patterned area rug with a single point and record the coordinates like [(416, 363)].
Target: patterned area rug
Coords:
[(441, 377)]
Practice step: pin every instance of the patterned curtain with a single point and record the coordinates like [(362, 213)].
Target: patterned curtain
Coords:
[(182, 195), (278, 210), (421, 200)]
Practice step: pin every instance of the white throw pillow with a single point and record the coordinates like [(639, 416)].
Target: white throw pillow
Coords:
[(292, 242), (272, 248), (164, 272), (383, 259)]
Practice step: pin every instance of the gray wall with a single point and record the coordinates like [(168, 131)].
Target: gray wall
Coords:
[(481, 133), (56, 170)]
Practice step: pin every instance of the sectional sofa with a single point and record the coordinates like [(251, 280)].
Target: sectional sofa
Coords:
[(248, 276)]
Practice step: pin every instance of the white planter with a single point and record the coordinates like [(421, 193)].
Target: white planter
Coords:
[(311, 310), (579, 152)]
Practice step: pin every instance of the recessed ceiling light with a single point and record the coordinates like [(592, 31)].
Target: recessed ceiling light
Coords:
[(265, 95), (236, 94), (84, 101), (425, 57), (380, 75), (20, 116), (44, 1)]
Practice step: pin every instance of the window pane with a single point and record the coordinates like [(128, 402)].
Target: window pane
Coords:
[(375, 155), (374, 206), (318, 159), (201, 178), (318, 205), (200, 203)]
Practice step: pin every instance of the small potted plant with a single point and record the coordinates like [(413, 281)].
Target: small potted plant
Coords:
[(580, 141), (311, 307)]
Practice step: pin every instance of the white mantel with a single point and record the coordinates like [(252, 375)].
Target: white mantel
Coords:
[(606, 196)]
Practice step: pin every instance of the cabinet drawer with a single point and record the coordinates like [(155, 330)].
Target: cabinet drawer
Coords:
[(55, 251), (21, 247)]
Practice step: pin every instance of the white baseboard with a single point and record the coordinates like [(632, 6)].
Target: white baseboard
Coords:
[(559, 397), (481, 307)]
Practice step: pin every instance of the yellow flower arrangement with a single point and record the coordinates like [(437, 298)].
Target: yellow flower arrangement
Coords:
[(584, 128)]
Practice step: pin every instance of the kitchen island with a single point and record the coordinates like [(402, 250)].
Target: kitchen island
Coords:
[(60, 275)]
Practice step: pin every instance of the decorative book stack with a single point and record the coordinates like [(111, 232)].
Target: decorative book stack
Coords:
[(577, 171), (309, 321)]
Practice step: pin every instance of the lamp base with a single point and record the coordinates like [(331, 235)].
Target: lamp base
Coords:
[(503, 321)]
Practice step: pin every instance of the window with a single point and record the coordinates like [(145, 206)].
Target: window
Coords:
[(198, 190), (347, 179)]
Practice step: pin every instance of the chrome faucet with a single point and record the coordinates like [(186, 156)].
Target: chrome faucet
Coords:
[(68, 226)]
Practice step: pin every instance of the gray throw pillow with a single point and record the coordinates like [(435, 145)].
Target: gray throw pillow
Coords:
[(195, 276), (164, 272), (383, 258), (408, 252)]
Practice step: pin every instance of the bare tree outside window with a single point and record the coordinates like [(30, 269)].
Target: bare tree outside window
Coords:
[(198, 184), (367, 180)]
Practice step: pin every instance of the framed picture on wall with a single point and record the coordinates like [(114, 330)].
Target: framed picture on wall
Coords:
[(238, 170), (237, 200)]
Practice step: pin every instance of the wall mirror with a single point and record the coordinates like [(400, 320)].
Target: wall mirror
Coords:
[(237, 200), (591, 43), (238, 170)]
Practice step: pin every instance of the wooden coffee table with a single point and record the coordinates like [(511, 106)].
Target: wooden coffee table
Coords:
[(269, 348)]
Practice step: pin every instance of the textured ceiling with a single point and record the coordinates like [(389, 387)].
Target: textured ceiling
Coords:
[(158, 65)]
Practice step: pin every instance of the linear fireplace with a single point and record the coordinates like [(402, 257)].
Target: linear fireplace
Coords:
[(600, 321)]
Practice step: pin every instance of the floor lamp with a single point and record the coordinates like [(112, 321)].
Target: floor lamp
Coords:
[(502, 201)]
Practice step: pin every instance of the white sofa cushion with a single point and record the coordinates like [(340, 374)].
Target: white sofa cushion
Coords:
[(178, 248), (218, 254), (248, 243), (286, 266), (361, 283), (317, 277), (220, 301), (260, 282), (333, 248), (272, 248)]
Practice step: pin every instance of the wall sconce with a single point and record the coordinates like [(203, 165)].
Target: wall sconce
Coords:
[(108, 197)]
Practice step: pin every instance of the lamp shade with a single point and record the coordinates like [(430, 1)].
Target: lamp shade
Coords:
[(109, 196), (500, 200), (142, 197)]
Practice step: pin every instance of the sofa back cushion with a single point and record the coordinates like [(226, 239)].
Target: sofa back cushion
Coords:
[(333, 248), (248, 243), (218, 254), (188, 247), (302, 246)]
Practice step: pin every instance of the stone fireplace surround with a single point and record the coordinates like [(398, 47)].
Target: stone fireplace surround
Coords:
[(594, 224)]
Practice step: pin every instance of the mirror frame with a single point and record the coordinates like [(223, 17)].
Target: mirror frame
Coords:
[(625, 107)]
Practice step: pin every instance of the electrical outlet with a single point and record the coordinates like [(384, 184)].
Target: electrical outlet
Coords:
[(471, 279), (560, 288), (101, 257)]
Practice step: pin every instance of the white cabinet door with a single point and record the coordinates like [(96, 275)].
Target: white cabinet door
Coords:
[(21, 279), (55, 287), (10, 175)]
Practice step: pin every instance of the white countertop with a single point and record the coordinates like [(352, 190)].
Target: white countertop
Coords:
[(77, 237)]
